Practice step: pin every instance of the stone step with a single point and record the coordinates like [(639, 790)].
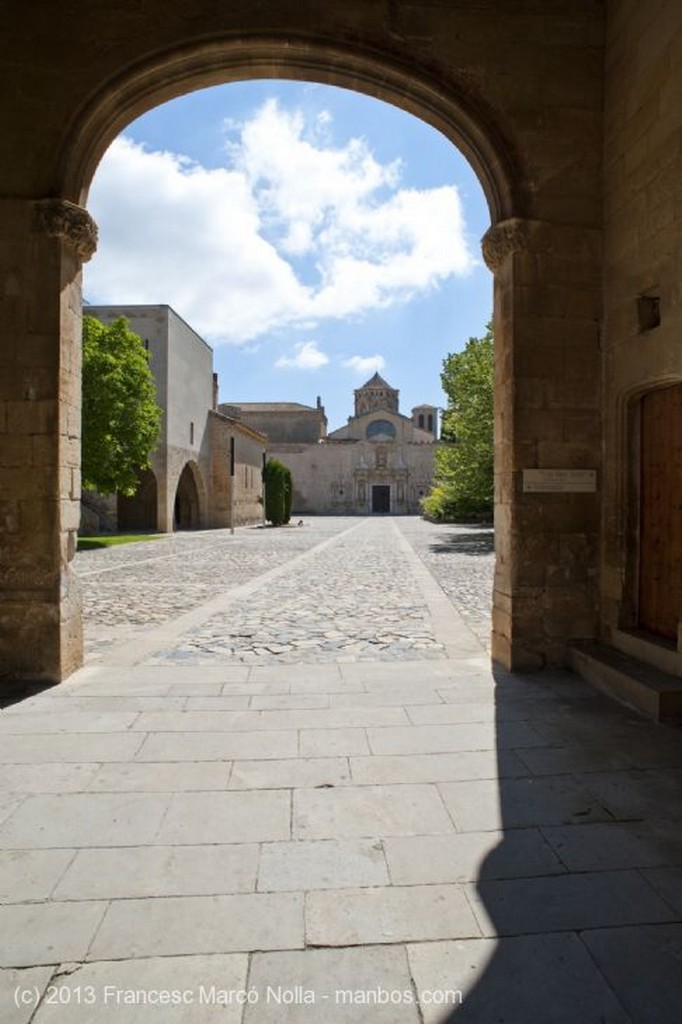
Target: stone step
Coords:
[(647, 689)]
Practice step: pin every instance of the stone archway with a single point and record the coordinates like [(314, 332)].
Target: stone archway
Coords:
[(544, 248), (187, 504)]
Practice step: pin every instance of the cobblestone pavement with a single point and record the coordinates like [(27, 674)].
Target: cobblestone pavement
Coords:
[(127, 589), (356, 601)]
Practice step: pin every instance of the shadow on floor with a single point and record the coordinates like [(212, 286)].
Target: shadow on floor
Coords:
[(12, 692), (478, 540), (584, 889)]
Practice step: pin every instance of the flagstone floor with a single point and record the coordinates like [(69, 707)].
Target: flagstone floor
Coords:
[(288, 787)]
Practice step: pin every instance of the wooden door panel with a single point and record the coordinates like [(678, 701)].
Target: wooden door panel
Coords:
[(660, 541)]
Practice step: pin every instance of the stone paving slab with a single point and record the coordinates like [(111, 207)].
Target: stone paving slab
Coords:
[(197, 982), (468, 764), (295, 773), (567, 903), (333, 742), (249, 721), (13, 984), (475, 804), (424, 739), (28, 875), (550, 979), (162, 778), (227, 817), (46, 777), (198, 924), (369, 811), (9, 802), (428, 860), (130, 872), (352, 917), (598, 847), (327, 864), (59, 721), (337, 986), (667, 881), (84, 819), (642, 964), (216, 746), (45, 748), (33, 934)]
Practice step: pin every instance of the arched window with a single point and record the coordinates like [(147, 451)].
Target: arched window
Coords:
[(420, 423), (380, 430), (430, 423)]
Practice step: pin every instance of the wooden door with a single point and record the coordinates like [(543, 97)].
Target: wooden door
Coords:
[(381, 499), (660, 542)]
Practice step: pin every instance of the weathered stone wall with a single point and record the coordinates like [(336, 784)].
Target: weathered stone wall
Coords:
[(182, 364), (642, 257), (248, 487), (41, 249), (292, 425), (327, 480)]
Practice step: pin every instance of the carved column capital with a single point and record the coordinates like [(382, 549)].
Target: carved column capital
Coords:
[(502, 239), (58, 218)]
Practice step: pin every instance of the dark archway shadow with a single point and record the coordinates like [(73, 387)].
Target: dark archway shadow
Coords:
[(580, 899), (186, 510), (139, 511)]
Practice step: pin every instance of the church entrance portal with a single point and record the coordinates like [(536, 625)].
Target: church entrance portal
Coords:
[(381, 499)]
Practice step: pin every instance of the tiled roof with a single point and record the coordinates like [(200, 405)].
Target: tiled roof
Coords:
[(376, 382), (271, 406)]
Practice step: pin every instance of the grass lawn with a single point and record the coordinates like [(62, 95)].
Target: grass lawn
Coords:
[(111, 540)]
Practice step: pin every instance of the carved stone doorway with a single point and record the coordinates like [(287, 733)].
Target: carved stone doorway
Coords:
[(381, 499)]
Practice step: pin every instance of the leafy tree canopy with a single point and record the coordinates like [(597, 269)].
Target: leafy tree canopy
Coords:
[(463, 479), (121, 420)]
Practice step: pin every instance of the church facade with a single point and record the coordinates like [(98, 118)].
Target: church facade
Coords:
[(380, 462)]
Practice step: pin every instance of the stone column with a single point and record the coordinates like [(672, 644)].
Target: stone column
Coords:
[(42, 247), (547, 416)]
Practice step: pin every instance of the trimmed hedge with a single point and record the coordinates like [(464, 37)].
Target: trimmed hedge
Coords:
[(278, 492)]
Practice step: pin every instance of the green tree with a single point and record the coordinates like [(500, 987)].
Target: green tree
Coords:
[(463, 478), (121, 420), (278, 492)]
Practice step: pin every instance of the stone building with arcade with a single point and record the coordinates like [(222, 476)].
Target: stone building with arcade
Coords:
[(190, 483)]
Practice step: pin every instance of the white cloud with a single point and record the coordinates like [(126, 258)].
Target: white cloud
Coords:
[(291, 232), (363, 365), (307, 356)]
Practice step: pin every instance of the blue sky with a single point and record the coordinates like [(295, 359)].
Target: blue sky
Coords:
[(310, 234)]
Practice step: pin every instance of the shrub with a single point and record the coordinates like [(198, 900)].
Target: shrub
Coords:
[(278, 492)]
